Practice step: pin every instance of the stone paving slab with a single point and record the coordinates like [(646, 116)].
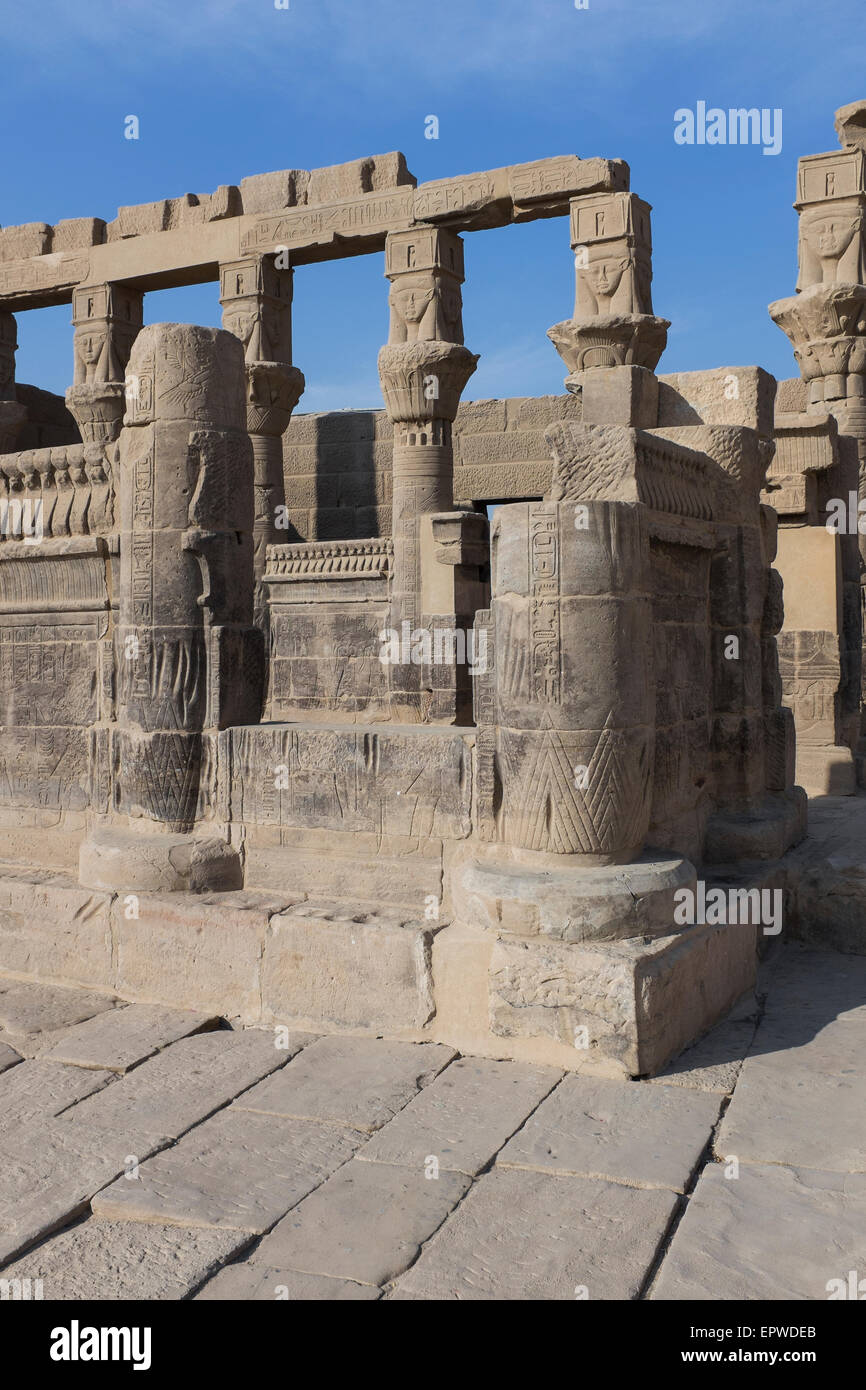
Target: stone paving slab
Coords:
[(771, 1233), (48, 1173), (34, 1016), (179, 1087), (40, 1090), (805, 1108), (366, 1223), (360, 1082), (238, 1170), (522, 1235), (629, 1132), (714, 1062), (331, 1140), (801, 1096), (120, 1039), (808, 989), (8, 1057), (463, 1117), (119, 1260), (251, 1283)]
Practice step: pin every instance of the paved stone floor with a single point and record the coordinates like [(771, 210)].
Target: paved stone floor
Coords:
[(151, 1153)]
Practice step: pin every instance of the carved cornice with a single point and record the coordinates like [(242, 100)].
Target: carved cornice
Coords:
[(368, 559)]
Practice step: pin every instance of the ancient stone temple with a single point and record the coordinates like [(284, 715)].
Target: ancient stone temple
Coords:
[(294, 731)]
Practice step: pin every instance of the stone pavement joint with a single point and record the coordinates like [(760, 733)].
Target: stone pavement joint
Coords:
[(224, 1167)]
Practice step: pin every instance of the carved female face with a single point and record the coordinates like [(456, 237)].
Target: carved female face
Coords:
[(832, 235), (411, 302), (604, 277)]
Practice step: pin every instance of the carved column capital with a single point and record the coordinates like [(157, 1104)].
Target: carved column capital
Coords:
[(256, 299), (423, 381), (613, 324), (273, 391), (107, 319), (826, 326)]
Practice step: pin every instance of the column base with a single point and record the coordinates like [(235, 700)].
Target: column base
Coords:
[(587, 969), (529, 894), (119, 859)]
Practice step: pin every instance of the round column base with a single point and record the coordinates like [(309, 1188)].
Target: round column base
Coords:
[(120, 859)]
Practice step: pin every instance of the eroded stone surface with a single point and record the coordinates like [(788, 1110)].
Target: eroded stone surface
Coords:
[(180, 1086), (463, 1117), (647, 1136), (530, 1236), (8, 1057), (48, 1173), (714, 1062), (118, 1040), (772, 1233), (39, 1089), (238, 1170), (822, 1122), (331, 1232), (32, 1012), (359, 1082), (247, 1282), (124, 1260)]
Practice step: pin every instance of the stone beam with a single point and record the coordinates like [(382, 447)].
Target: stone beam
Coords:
[(323, 215)]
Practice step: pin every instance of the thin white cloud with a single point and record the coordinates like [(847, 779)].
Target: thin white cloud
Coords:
[(376, 41)]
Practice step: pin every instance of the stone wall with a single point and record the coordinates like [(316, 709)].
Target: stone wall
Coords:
[(48, 421), (337, 464)]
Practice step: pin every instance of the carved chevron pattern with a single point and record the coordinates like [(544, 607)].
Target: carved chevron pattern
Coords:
[(547, 811)]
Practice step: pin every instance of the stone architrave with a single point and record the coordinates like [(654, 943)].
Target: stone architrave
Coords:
[(107, 319), (423, 371), (256, 299)]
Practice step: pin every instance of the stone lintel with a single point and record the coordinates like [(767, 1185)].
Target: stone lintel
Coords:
[(330, 230)]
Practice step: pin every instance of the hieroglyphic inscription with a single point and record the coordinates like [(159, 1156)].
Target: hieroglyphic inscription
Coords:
[(417, 785), (484, 703), (142, 541), (544, 645), (42, 273), (373, 214)]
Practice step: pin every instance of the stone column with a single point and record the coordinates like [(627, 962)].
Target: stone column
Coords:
[(423, 370), (826, 320), (184, 644), (612, 343), (256, 300), (12, 413), (107, 319), (571, 614)]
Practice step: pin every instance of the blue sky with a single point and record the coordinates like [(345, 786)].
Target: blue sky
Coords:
[(225, 88)]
